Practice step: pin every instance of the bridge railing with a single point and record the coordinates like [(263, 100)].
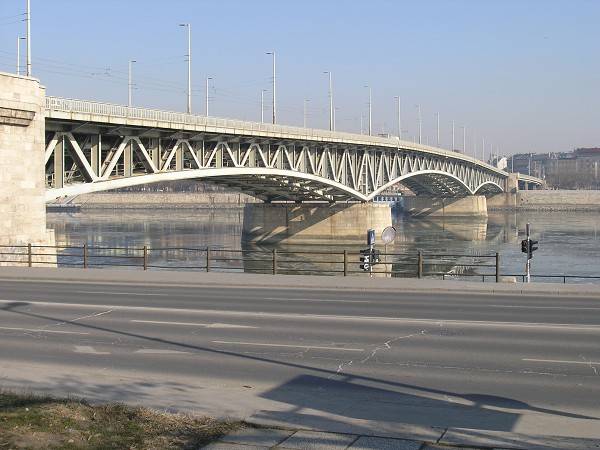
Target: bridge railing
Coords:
[(342, 263), (242, 126)]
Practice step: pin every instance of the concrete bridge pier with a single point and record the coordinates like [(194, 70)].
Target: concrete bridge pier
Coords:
[(314, 223), (470, 206), (22, 190)]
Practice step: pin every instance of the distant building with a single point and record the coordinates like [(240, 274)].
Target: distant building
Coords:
[(579, 169)]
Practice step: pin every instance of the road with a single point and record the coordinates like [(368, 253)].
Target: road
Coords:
[(339, 360)]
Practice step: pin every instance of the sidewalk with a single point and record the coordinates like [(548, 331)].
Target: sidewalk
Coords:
[(305, 282), (249, 438)]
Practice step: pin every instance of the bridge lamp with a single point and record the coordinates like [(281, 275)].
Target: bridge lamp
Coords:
[(207, 85), (331, 111), (274, 86), (130, 84), (420, 123), (189, 61), (397, 98), (19, 39), (370, 109)]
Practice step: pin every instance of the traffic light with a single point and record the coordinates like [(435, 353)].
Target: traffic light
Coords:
[(525, 246), (375, 256), (365, 259), (531, 248)]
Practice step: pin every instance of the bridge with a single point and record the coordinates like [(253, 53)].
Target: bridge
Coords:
[(92, 146)]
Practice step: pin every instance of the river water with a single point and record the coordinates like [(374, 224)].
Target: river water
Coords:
[(569, 243)]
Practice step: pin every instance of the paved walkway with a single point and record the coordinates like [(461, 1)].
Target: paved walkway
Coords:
[(250, 438)]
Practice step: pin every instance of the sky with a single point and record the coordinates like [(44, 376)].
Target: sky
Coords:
[(522, 74)]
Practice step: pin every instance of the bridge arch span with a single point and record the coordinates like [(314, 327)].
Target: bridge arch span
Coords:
[(489, 187), (265, 184), (429, 182)]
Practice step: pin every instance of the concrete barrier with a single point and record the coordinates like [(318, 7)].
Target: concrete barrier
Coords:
[(547, 200)]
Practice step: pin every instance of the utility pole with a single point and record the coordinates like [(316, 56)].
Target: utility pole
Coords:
[(330, 93), (28, 19), (189, 61), (420, 122), (398, 117), (305, 111), (19, 39), (130, 85), (262, 105), (437, 141), (207, 97), (274, 88), (452, 136), (370, 110)]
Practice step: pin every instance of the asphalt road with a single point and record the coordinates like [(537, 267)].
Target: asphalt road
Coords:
[(343, 361)]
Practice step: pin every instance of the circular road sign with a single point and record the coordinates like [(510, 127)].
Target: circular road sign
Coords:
[(388, 235)]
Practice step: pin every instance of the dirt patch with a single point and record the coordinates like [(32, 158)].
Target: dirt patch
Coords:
[(34, 422)]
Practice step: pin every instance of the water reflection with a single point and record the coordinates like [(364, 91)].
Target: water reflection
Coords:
[(569, 242)]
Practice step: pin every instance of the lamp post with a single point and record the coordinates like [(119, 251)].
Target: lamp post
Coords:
[(437, 135), (464, 128), (330, 93), (274, 89), (189, 61), (398, 116), (305, 115), (28, 20), (130, 84), (207, 97), (420, 122), (370, 110), (453, 144), (19, 39), (262, 105)]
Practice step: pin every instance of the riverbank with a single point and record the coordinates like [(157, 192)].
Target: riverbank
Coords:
[(546, 200), (153, 200)]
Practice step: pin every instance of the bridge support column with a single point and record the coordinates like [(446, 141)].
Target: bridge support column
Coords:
[(346, 223), (22, 189), (471, 206)]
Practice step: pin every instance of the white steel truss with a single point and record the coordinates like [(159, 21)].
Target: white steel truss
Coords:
[(272, 170)]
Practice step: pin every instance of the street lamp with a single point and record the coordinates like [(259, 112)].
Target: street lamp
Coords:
[(437, 140), (420, 122), (305, 113), (19, 39), (274, 85), (189, 61), (453, 144), (464, 128), (370, 110), (331, 112), (207, 80), (130, 85), (28, 20), (397, 98)]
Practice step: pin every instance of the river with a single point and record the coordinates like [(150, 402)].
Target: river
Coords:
[(569, 242)]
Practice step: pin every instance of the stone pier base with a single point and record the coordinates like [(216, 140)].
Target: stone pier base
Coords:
[(314, 223), (22, 186), (471, 206)]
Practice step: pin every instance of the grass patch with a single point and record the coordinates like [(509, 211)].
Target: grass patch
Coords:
[(37, 422)]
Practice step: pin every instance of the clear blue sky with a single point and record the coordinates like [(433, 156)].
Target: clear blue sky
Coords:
[(524, 74)]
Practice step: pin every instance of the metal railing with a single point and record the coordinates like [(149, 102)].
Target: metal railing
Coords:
[(410, 265), (243, 126)]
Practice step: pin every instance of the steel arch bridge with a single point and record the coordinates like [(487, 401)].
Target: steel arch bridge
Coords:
[(93, 146)]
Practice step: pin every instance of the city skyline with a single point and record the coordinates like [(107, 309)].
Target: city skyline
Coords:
[(517, 75)]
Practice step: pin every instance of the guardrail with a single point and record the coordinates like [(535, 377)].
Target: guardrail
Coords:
[(240, 126), (411, 265)]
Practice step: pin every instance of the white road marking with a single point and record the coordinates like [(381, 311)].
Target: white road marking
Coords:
[(39, 330), (305, 300), (159, 351), (566, 308), (121, 293), (246, 314), (86, 349), (559, 361), (192, 324), (260, 344)]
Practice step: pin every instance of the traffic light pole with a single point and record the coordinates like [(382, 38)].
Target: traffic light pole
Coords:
[(528, 264)]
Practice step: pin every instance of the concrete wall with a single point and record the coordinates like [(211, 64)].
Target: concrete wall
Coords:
[(289, 223), (547, 200), (142, 200), (473, 205), (22, 124)]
